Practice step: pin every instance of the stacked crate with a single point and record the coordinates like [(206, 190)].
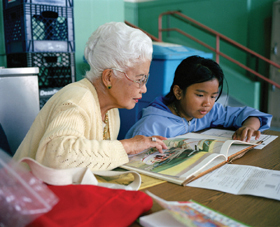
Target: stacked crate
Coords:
[(40, 33)]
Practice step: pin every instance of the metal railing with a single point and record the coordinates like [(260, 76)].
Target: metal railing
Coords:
[(151, 36), (217, 51)]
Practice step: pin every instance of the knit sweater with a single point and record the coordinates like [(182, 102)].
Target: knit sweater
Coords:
[(68, 132)]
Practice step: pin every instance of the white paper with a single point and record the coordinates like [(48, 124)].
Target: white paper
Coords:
[(228, 134), (161, 218), (242, 180)]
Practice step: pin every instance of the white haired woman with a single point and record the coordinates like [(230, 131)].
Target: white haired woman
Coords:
[(79, 125)]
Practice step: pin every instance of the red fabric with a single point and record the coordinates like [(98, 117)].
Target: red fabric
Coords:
[(88, 205)]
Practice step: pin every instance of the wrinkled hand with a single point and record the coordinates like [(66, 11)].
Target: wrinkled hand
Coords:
[(245, 133), (140, 143)]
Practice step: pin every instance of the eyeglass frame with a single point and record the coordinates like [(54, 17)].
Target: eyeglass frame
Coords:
[(142, 81)]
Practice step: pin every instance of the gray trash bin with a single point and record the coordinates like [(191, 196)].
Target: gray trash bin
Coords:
[(19, 102)]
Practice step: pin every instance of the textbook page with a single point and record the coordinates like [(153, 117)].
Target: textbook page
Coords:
[(266, 139), (242, 180)]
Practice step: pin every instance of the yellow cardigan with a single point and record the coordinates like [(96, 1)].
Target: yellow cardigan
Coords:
[(68, 132)]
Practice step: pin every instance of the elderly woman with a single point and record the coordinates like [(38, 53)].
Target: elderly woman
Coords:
[(79, 125)]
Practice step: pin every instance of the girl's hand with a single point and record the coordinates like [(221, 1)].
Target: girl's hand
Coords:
[(249, 128), (140, 143), (245, 133)]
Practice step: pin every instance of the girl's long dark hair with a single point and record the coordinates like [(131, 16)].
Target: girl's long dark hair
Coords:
[(196, 69)]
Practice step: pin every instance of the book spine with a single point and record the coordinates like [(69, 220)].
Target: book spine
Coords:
[(194, 177)]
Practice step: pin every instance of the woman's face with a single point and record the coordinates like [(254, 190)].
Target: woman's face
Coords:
[(199, 99), (127, 93)]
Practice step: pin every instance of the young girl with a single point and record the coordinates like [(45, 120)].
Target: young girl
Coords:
[(191, 106)]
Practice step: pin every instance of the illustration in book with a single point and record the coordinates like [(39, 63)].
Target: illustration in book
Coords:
[(180, 153), (184, 157)]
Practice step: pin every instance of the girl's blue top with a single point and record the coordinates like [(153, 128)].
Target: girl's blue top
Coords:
[(157, 119)]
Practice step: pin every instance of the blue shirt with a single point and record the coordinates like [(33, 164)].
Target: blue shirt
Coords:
[(157, 119)]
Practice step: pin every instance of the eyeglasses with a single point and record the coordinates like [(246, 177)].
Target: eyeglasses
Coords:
[(142, 81)]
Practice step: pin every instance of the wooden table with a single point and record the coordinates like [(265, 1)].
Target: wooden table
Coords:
[(251, 210)]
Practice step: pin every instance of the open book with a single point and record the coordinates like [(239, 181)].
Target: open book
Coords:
[(187, 157)]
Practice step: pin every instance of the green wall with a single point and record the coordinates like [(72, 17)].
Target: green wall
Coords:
[(244, 21), (88, 15), (217, 14), (259, 30)]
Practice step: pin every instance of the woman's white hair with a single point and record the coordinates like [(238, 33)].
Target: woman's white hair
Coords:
[(116, 45)]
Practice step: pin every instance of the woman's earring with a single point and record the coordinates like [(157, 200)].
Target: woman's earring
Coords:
[(109, 86)]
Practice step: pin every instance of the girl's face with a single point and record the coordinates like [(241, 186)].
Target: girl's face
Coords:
[(198, 99)]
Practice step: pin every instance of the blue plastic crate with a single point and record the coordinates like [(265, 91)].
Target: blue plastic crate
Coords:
[(39, 28), (11, 3), (55, 69)]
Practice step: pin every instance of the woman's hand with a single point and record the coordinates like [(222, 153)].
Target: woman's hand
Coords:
[(140, 143), (249, 128)]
